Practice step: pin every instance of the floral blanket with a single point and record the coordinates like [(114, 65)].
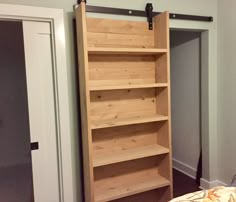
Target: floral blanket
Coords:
[(218, 194)]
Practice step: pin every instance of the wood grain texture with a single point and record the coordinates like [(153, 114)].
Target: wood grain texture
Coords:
[(84, 101), (128, 178), (144, 166), (107, 123), (101, 159), (122, 104), (121, 70), (100, 25), (162, 40), (121, 138), (125, 51), (133, 86), (119, 40), (126, 188), (161, 27), (161, 74), (162, 101), (119, 33), (157, 195)]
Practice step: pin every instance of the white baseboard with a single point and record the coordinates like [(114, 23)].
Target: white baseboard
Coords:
[(204, 184), (191, 172), (184, 168)]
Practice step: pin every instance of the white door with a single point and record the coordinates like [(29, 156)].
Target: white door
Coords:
[(41, 98)]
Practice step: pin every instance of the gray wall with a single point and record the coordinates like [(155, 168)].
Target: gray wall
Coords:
[(185, 95), (14, 124), (226, 90)]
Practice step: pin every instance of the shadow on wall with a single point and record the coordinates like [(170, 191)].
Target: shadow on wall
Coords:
[(181, 37)]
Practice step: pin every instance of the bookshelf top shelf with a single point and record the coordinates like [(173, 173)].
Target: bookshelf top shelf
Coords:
[(131, 86), (125, 51)]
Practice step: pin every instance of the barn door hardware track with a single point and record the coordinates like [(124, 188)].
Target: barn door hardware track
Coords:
[(140, 13)]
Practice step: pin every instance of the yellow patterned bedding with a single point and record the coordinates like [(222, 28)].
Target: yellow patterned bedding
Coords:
[(218, 194)]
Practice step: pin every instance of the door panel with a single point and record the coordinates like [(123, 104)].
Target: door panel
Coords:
[(39, 70)]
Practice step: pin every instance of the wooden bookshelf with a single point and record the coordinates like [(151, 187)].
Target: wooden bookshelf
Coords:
[(124, 77)]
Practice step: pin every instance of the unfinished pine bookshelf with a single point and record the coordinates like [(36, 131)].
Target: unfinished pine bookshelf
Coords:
[(124, 79)]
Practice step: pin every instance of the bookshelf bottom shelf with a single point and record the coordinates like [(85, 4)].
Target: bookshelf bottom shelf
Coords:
[(119, 187)]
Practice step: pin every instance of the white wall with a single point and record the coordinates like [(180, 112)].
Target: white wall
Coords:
[(14, 124), (226, 90), (200, 7), (185, 97)]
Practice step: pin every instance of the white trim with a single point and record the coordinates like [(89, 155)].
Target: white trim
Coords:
[(56, 18), (184, 168), (219, 183), (204, 184), (209, 92)]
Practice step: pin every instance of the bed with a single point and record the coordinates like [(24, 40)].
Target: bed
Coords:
[(217, 194)]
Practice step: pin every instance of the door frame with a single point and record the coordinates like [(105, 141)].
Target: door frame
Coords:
[(60, 76), (208, 96)]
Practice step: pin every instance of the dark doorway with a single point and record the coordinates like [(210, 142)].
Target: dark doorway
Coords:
[(16, 183)]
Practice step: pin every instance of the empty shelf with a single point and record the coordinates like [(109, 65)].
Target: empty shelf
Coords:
[(132, 86), (124, 51), (115, 188), (128, 154), (127, 121)]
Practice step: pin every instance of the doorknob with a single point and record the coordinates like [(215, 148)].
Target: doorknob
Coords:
[(34, 146)]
